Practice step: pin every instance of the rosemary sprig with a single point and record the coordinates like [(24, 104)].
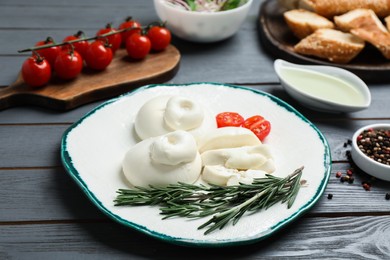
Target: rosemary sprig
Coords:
[(224, 204)]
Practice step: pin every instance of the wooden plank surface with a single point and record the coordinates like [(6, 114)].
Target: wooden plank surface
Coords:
[(340, 238), (24, 196), (44, 214)]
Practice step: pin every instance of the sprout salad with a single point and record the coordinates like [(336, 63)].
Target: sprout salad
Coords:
[(206, 5)]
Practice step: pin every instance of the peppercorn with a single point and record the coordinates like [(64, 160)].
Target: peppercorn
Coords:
[(349, 172), (338, 174), (367, 186), (330, 196), (387, 197), (375, 143), (351, 180)]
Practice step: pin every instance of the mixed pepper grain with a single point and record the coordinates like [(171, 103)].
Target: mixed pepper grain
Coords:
[(375, 143), (348, 175)]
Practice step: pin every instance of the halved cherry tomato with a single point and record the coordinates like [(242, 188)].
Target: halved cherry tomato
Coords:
[(98, 56), (51, 53), (68, 64), (229, 119), (160, 37), (81, 46), (115, 39), (258, 125), (138, 46), (36, 71), (129, 23)]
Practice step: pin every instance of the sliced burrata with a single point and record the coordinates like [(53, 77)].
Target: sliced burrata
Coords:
[(165, 114), (163, 160), (227, 137), (222, 176), (256, 157)]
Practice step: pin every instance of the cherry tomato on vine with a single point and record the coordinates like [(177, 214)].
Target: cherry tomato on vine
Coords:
[(68, 64), (129, 23), (81, 46), (36, 71), (51, 53), (258, 125), (98, 56), (229, 119), (160, 37), (138, 46), (115, 39)]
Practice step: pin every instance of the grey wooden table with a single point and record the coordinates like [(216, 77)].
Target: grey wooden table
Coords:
[(44, 214)]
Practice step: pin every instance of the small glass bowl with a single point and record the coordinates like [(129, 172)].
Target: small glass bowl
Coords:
[(365, 163)]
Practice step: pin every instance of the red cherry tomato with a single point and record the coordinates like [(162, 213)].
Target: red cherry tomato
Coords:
[(258, 125), (81, 46), (36, 72), (68, 64), (98, 56), (160, 37), (229, 119), (129, 23), (51, 53), (138, 46), (115, 39)]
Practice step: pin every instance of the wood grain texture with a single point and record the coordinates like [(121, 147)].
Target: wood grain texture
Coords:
[(45, 215), (378, 110), (122, 75), (312, 238), (27, 194), (240, 59), (39, 145)]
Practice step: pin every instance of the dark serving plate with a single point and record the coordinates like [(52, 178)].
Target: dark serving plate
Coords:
[(279, 41)]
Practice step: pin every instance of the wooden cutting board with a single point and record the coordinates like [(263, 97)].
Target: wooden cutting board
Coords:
[(122, 75)]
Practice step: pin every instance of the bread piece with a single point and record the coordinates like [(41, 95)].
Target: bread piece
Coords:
[(330, 44), (330, 8), (303, 23), (359, 18), (387, 22), (364, 24), (378, 38)]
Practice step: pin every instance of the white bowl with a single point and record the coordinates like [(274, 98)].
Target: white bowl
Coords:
[(202, 26), (365, 163), (323, 88)]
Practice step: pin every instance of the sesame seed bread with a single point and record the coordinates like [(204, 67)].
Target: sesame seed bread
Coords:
[(303, 23), (364, 24), (387, 22), (330, 8), (330, 44), (378, 38), (359, 18)]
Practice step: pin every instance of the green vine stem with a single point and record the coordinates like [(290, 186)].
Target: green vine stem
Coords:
[(82, 39)]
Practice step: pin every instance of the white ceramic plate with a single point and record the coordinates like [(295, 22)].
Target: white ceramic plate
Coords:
[(93, 148)]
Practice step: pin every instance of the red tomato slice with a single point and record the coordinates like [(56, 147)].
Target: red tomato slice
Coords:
[(229, 119), (258, 125)]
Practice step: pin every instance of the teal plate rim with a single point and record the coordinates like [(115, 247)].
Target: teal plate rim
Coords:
[(73, 172)]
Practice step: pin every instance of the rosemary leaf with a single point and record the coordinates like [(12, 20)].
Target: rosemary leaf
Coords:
[(223, 204)]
